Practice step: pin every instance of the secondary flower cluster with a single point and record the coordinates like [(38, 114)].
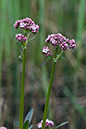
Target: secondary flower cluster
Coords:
[(27, 24), (58, 40), (46, 51), (48, 123), (21, 37)]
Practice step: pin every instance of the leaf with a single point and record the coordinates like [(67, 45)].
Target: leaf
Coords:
[(13, 126), (31, 127), (28, 41), (19, 44), (26, 124), (17, 123), (47, 127), (46, 60), (61, 125), (29, 116)]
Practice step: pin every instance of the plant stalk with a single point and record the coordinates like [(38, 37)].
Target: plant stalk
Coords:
[(48, 96), (22, 92), (49, 88)]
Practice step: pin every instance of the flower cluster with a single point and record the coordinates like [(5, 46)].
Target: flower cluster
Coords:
[(48, 123), (63, 42), (21, 37), (3, 127), (46, 51), (27, 24)]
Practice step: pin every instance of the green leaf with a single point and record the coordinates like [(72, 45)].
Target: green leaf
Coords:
[(13, 126), (26, 124), (31, 127), (29, 116), (28, 41), (19, 44), (49, 57), (61, 125), (17, 123), (47, 127)]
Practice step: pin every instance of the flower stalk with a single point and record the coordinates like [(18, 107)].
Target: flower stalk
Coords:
[(49, 88), (22, 91), (27, 25), (48, 96), (48, 93)]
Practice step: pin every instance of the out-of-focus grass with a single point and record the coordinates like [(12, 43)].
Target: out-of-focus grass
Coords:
[(80, 29), (2, 34), (41, 40)]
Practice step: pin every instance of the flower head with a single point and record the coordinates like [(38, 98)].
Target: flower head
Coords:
[(21, 37), (55, 39), (3, 127), (47, 123), (46, 51), (27, 24), (34, 28), (63, 42)]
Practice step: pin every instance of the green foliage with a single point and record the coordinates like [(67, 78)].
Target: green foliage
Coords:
[(26, 124), (29, 116), (62, 124), (27, 120), (46, 60), (17, 123)]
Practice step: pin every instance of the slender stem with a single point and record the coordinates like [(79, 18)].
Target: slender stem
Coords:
[(22, 92), (49, 88), (48, 96), (48, 93), (59, 55)]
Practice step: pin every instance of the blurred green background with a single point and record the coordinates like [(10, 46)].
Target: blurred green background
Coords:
[(68, 95)]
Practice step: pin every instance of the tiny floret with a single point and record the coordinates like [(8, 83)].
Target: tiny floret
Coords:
[(46, 51), (39, 125), (72, 44), (17, 23), (21, 37), (63, 46), (48, 123)]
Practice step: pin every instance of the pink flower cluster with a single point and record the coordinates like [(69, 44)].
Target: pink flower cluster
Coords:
[(3, 127), (59, 39), (46, 51), (21, 37), (27, 24), (47, 123)]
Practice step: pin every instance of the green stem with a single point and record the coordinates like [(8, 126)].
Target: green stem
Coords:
[(22, 92), (49, 88), (48, 96), (48, 93), (59, 55)]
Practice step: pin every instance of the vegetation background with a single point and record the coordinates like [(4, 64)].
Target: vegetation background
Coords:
[(68, 95)]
